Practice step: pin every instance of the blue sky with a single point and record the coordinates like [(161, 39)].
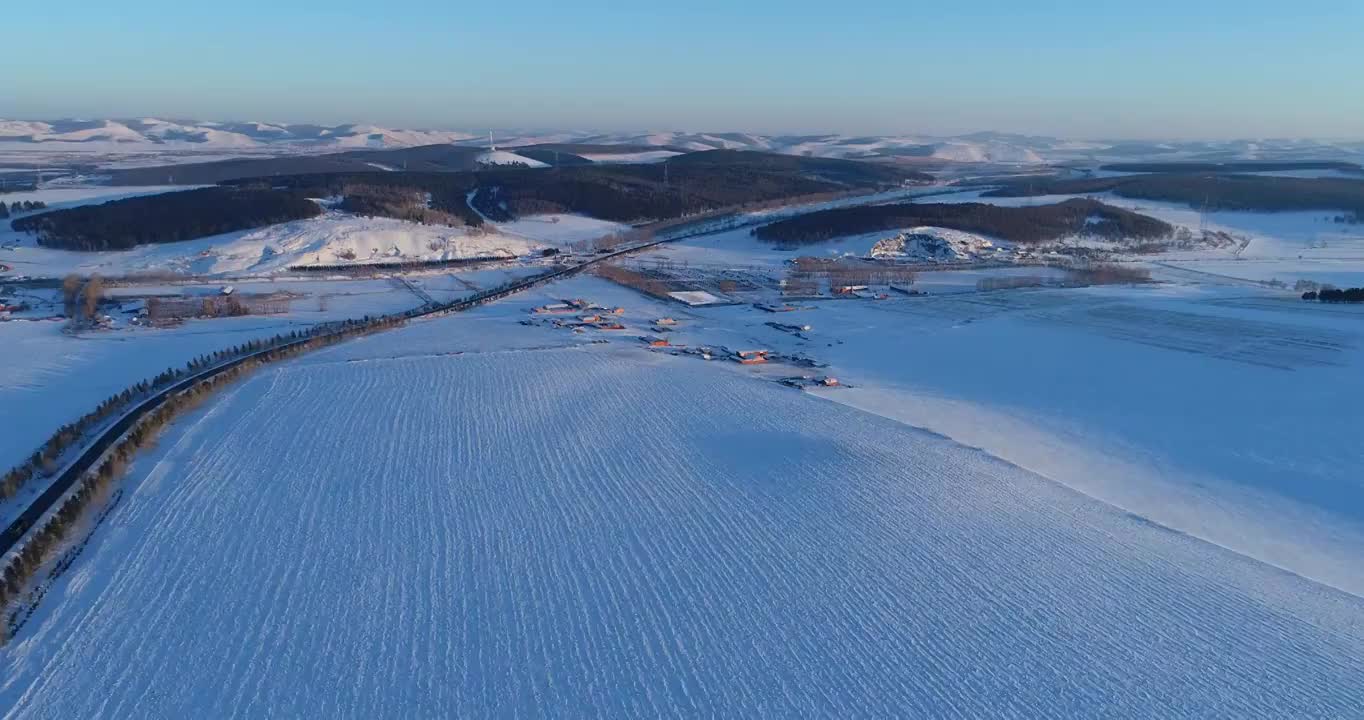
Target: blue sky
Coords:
[(1097, 69)]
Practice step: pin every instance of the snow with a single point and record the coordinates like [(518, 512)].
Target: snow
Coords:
[(161, 136), (933, 244), (62, 197), (325, 240), (1321, 173), (1223, 416), (1127, 500), (370, 136), (985, 152), (637, 157), (1212, 405), (502, 157), (166, 142), (1307, 244), (55, 377), (23, 128), (560, 229), (169, 131), (939, 282), (610, 532), (695, 297)]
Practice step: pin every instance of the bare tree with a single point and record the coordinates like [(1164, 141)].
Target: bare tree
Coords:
[(92, 295), (71, 288)]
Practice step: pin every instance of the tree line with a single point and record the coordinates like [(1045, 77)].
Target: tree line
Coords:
[(690, 185), (1335, 295), (74, 511), (169, 217), (401, 203), (1264, 193), (636, 193), (1034, 224), (19, 206), (398, 195)]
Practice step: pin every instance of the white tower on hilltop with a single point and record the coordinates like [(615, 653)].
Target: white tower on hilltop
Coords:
[(491, 147)]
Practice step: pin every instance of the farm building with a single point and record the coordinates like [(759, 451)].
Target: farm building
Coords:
[(848, 289), (171, 309), (751, 357)]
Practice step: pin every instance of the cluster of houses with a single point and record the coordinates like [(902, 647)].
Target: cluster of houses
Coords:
[(581, 315), (743, 357), (858, 291), (587, 315), (802, 382)]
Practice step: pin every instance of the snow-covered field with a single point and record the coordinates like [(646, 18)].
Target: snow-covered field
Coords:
[(1210, 404), (392, 528), (1221, 413), (1123, 501), (1290, 239), (52, 378)]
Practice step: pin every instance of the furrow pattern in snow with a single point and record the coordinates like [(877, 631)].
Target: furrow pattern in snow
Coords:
[(591, 531)]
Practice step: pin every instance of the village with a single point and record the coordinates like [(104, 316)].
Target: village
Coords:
[(659, 335)]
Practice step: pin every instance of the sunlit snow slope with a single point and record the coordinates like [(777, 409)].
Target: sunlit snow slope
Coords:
[(384, 530)]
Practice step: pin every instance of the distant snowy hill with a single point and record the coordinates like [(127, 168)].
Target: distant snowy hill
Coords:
[(157, 136), (154, 133), (502, 157)]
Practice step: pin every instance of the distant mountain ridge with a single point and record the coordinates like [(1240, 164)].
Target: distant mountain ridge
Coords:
[(153, 135)]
